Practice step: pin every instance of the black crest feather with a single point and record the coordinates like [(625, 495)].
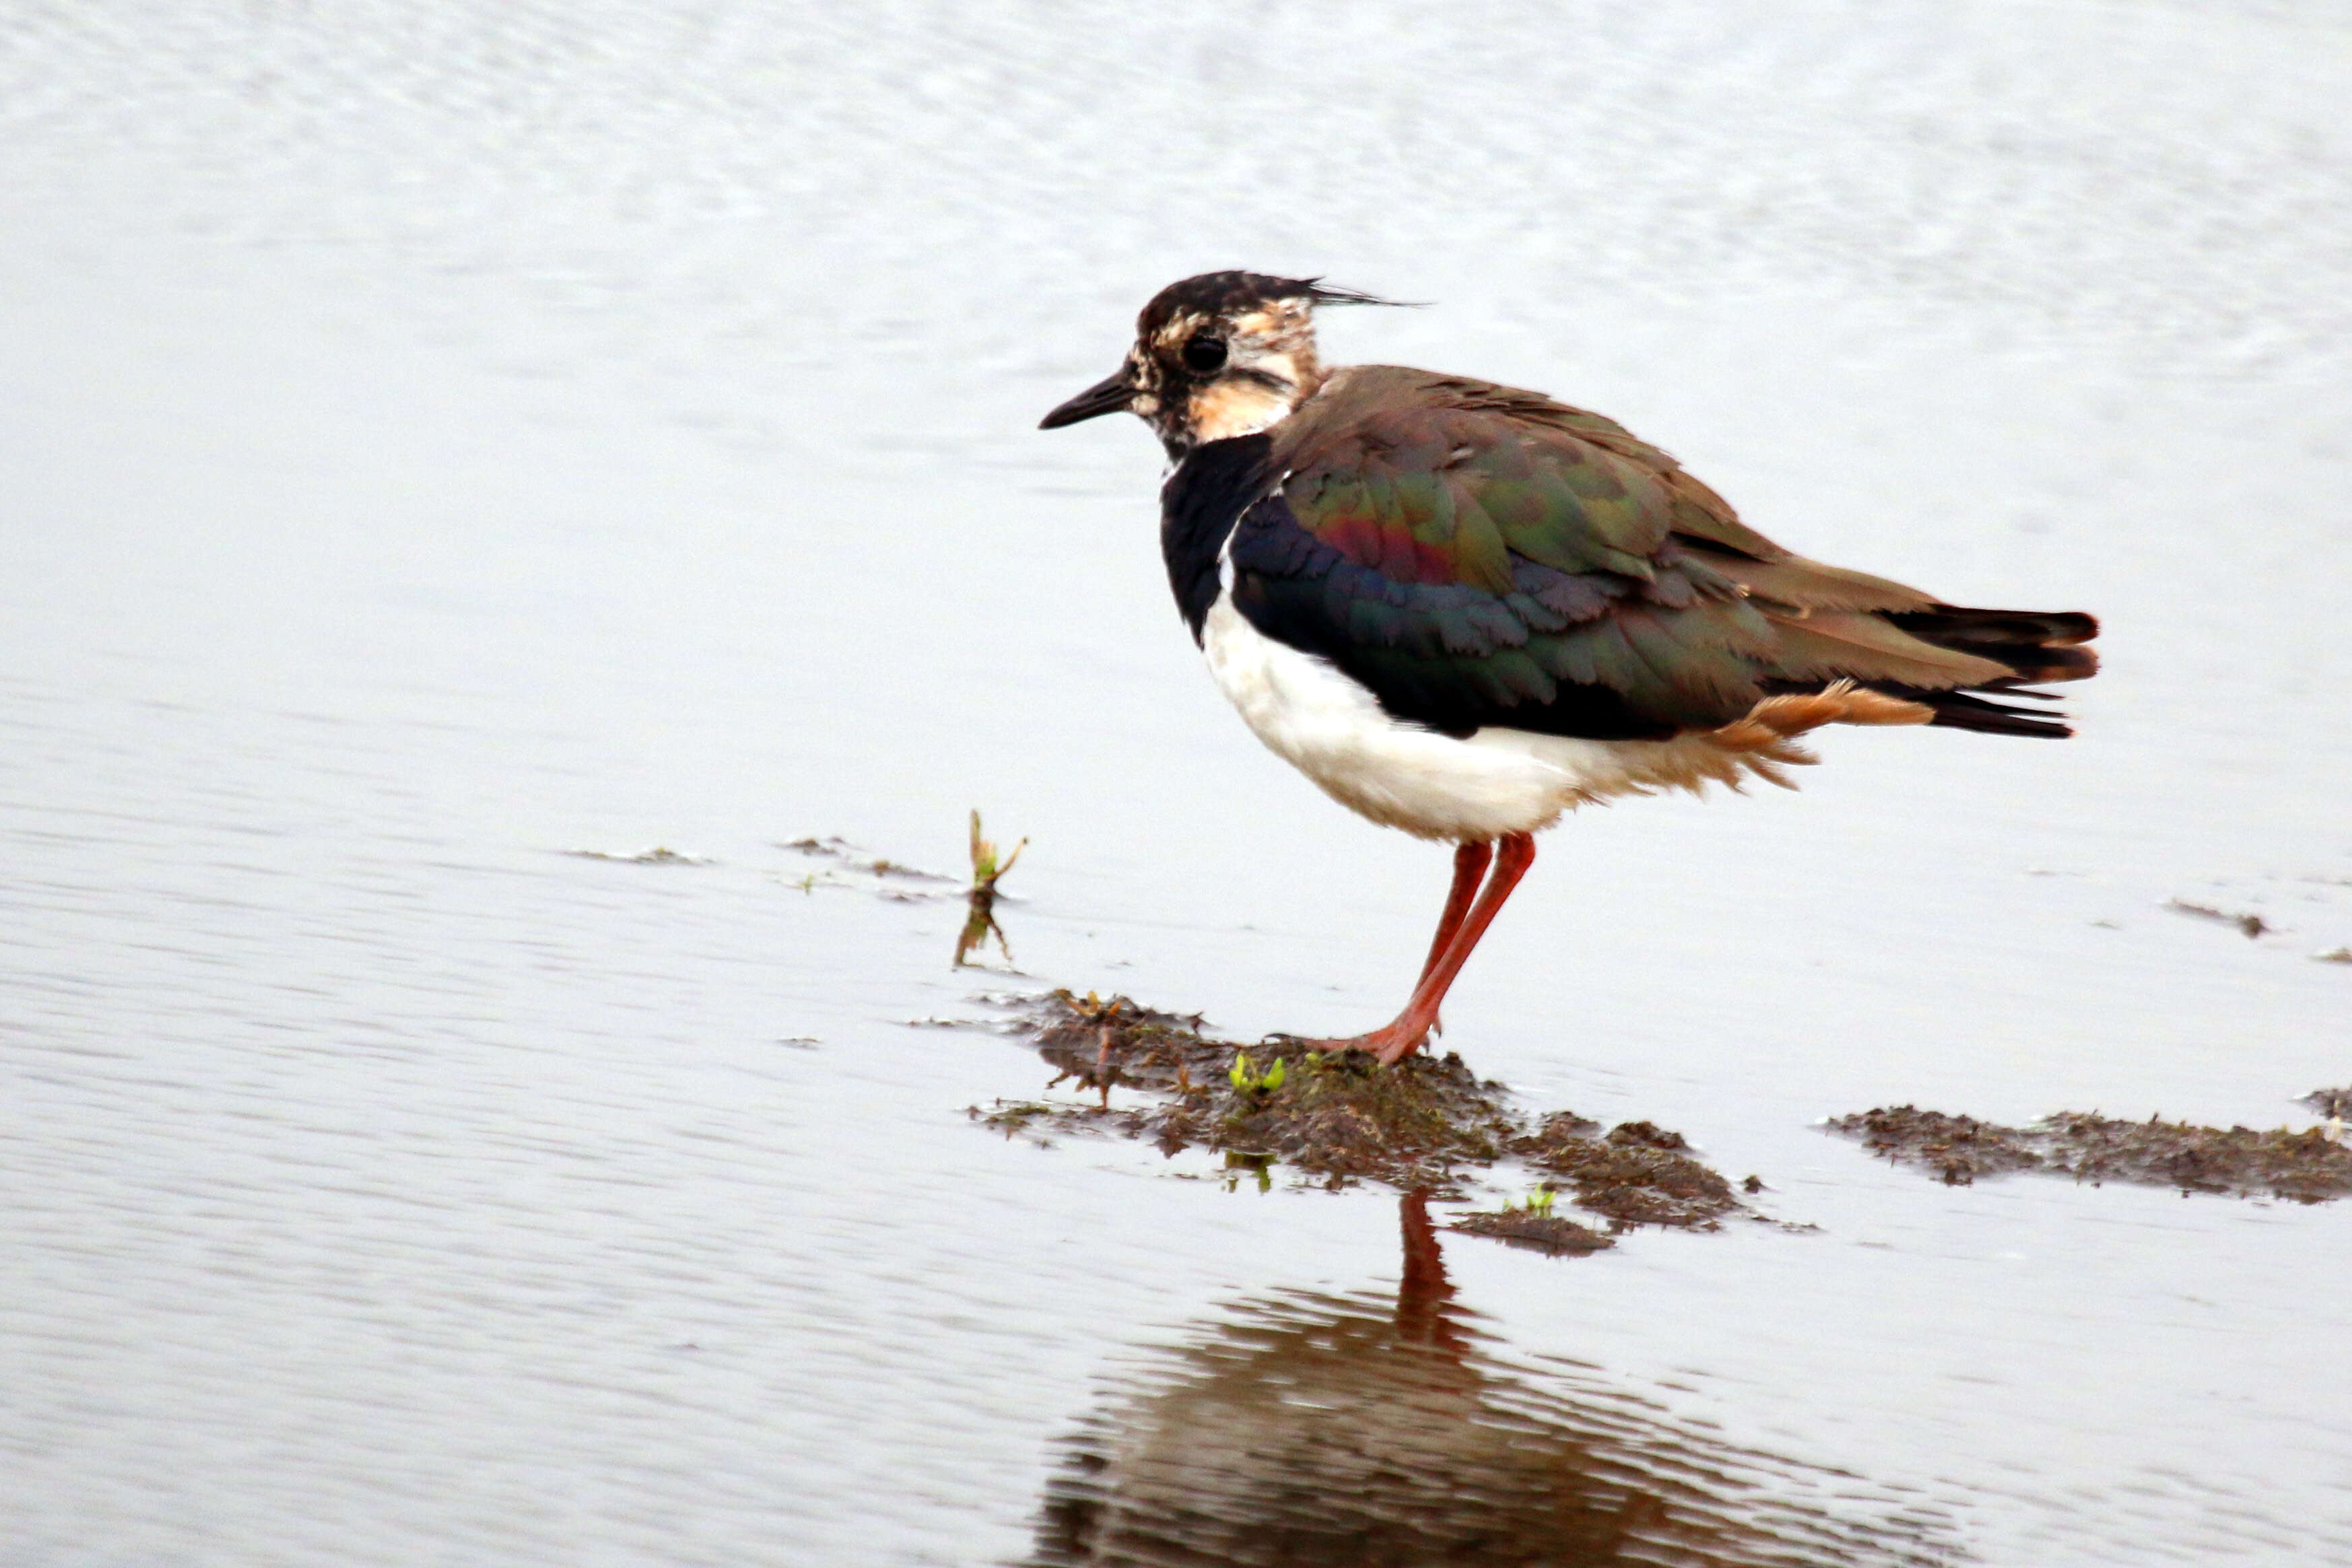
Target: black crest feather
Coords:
[(1216, 293), (1323, 295)]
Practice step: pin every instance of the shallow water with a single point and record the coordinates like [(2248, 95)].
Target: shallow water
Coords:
[(448, 437)]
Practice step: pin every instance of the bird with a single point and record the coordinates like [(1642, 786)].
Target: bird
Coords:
[(1464, 608)]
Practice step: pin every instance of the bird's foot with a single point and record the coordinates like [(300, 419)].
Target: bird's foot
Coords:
[(1391, 1043)]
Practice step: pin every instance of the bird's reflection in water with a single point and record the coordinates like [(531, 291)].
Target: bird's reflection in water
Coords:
[(1317, 1430)]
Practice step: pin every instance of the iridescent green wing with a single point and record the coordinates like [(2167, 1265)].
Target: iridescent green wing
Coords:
[(1478, 555)]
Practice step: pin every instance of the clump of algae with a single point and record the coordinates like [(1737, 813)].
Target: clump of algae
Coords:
[(1335, 1118), (2309, 1166)]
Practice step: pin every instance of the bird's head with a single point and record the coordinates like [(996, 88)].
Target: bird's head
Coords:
[(1219, 355)]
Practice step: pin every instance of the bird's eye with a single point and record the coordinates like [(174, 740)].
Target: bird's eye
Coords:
[(1204, 352)]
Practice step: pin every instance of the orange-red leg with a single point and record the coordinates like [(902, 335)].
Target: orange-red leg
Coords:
[(1470, 862), (1409, 1030)]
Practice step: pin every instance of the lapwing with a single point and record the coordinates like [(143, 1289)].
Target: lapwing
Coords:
[(1463, 609)]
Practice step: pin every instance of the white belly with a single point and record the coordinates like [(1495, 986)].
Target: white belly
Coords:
[(1400, 775)]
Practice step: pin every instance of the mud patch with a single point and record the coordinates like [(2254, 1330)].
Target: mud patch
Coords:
[(1332, 1119), (658, 855), (2247, 923), (1546, 1233), (2309, 1166), (1638, 1174), (843, 864)]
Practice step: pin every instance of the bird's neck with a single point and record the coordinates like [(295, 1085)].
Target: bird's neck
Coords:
[(1199, 506)]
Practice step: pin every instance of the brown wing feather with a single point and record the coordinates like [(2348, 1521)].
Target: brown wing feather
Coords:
[(1830, 645)]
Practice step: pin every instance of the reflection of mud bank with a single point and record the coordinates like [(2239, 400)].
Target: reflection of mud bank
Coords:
[(1315, 1431), (2309, 1166), (1336, 1118)]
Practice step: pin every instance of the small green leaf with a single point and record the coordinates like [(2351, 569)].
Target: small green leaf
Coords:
[(1273, 1075)]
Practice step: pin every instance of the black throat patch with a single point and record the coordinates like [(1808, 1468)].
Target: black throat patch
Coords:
[(1198, 508)]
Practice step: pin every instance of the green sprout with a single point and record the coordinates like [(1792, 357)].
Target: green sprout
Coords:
[(1246, 1082), (1536, 1206), (982, 923)]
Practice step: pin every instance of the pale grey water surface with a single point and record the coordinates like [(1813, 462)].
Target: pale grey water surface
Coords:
[(439, 436)]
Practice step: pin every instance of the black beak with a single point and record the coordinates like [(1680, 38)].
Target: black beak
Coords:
[(1107, 395)]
